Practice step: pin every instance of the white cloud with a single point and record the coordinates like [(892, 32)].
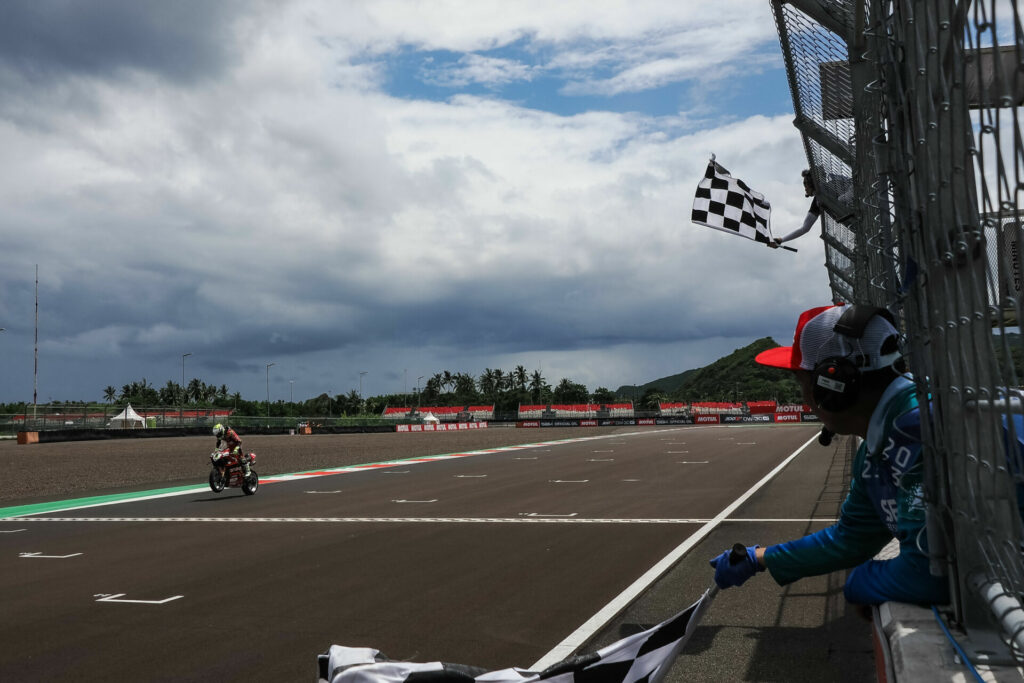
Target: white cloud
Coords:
[(473, 68), (290, 206)]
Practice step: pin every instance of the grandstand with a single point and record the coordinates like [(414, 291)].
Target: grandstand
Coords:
[(618, 409), (531, 411), (674, 409), (574, 411), (717, 408), (481, 413), (442, 413)]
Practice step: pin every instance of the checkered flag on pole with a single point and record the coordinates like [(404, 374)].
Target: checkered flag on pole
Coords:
[(641, 658), (726, 203)]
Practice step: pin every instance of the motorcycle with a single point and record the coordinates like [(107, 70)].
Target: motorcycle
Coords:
[(233, 473)]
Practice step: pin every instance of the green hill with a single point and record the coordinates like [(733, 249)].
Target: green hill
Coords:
[(733, 377)]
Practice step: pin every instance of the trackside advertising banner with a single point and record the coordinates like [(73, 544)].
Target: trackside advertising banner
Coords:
[(734, 419), (441, 427), (714, 419), (606, 422)]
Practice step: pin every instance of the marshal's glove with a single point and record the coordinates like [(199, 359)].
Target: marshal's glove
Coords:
[(733, 568)]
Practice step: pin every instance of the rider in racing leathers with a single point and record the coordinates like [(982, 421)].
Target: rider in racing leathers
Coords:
[(232, 443)]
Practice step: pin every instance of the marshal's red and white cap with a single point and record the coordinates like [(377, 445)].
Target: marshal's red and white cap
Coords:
[(816, 339)]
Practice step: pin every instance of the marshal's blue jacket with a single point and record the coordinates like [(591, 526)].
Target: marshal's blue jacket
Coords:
[(885, 501)]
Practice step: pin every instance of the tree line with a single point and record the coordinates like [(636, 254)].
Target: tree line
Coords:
[(503, 389), (735, 377)]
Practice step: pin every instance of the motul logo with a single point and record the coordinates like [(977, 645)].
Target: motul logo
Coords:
[(787, 417), (707, 418), (529, 424), (789, 409), (645, 421)]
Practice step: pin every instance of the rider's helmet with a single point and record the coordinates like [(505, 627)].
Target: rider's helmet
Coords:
[(218, 430)]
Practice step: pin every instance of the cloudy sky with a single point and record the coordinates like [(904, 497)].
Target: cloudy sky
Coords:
[(391, 187)]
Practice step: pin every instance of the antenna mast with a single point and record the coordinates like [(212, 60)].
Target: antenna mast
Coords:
[(35, 368)]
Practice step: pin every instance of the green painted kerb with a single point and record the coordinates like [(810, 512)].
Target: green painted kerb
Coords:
[(57, 505)]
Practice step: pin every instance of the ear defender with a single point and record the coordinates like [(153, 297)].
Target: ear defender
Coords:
[(837, 380), (836, 384)]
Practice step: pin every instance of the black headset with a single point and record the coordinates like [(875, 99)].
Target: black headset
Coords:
[(837, 379)]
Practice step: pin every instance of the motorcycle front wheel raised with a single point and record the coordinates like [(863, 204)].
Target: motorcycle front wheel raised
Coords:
[(216, 481), (250, 483)]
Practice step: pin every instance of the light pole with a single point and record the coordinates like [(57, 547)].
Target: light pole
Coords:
[(181, 403), (418, 390), (361, 373), (291, 391), (268, 393)]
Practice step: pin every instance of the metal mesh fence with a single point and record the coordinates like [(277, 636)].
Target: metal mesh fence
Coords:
[(910, 115)]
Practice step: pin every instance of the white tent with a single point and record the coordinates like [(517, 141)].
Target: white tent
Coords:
[(430, 418), (127, 419)]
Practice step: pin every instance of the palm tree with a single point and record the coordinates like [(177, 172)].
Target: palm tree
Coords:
[(537, 386), (194, 392), (487, 383), (169, 394), (465, 387), (110, 393), (520, 378)]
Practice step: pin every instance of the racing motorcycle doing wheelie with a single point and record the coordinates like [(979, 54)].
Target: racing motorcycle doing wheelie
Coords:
[(228, 470)]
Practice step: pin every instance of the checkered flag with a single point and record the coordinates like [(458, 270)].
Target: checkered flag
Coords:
[(726, 203), (641, 658)]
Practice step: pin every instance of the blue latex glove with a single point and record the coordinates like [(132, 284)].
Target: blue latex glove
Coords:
[(728, 574)]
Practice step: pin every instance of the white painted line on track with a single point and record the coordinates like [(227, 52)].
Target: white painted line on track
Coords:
[(470, 476), (403, 500), (12, 531), (48, 557), (592, 625), (524, 517), (117, 597), (538, 514), (315, 492), (692, 462), (568, 481)]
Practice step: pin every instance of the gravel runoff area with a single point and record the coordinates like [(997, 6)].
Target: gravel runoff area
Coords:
[(31, 473)]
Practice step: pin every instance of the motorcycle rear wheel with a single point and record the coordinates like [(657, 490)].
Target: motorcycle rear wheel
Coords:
[(216, 481), (250, 483)]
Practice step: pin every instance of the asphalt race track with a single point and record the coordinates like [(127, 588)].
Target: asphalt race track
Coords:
[(488, 558)]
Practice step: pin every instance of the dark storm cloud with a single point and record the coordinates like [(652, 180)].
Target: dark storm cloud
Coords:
[(181, 40)]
